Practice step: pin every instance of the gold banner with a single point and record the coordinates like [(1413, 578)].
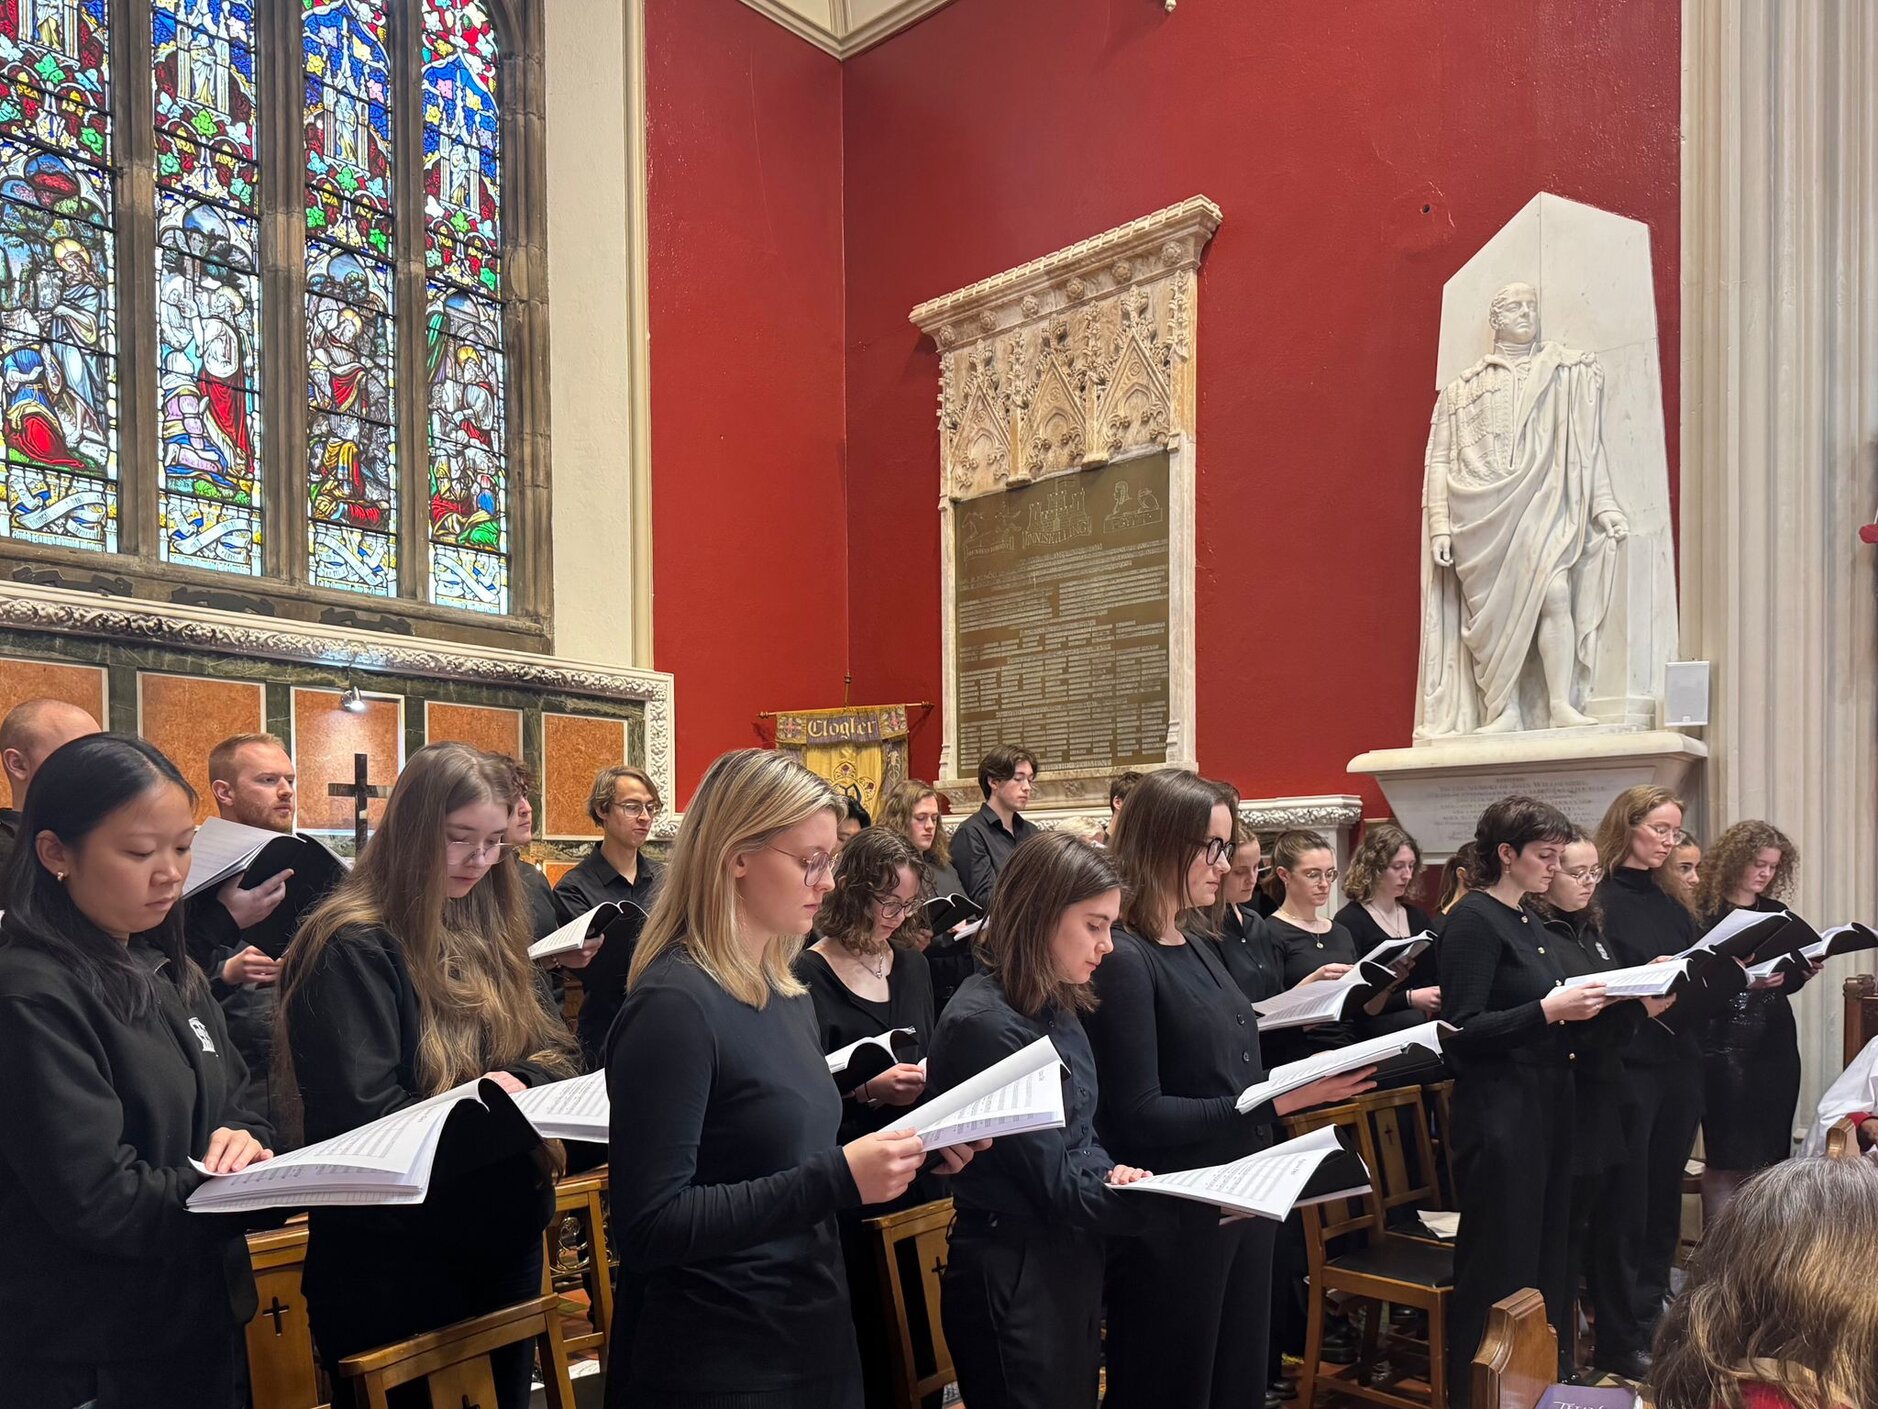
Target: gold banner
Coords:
[(861, 750)]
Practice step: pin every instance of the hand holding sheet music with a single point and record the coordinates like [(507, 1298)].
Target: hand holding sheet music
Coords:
[(1639, 981), (842, 1058), (1024, 1092), (1313, 1168), (582, 932), (1391, 1054)]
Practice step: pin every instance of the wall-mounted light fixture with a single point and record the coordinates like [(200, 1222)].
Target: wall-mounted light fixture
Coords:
[(352, 702)]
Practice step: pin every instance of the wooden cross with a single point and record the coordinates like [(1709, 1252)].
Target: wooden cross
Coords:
[(277, 1309), (361, 793)]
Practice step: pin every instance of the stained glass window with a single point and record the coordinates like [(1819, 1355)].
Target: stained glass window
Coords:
[(208, 284), (58, 314), (469, 563), (352, 479)]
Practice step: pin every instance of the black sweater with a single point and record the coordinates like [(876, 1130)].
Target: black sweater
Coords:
[(1252, 956), (1304, 954), (1175, 1042), (1597, 1044), (1497, 966), (1050, 1178), (1641, 922), (726, 1183), (843, 1016), (99, 1118)]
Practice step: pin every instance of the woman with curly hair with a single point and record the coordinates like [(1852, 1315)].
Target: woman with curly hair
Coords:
[(1751, 1048), (1381, 874), (1777, 1310)]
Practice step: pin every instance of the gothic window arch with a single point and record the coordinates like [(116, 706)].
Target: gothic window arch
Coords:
[(263, 335)]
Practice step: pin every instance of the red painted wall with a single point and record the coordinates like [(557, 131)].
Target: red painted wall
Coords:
[(1361, 152), (748, 502)]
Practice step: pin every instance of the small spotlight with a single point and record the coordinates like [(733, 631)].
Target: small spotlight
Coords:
[(353, 702)]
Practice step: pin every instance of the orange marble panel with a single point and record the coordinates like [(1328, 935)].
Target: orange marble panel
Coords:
[(187, 715), (486, 727), (574, 747), (325, 737), (23, 680), (554, 870)]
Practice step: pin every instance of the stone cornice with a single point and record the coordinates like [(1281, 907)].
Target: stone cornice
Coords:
[(833, 26), (28, 607)]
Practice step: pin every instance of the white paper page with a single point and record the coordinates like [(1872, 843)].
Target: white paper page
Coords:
[(1032, 1102), (223, 849), (568, 937), (1641, 981), (839, 1059), (574, 1109), (1022, 1063), (968, 929), (1267, 1183), (1761, 972), (1442, 1225), (1729, 926), (1318, 1002), (1392, 950), (1355, 1057)]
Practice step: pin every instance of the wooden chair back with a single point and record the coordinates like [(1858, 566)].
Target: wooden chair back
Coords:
[(1360, 1213), (1861, 1013), (1398, 1122), (1441, 1114), (1842, 1139), (910, 1249), (453, 1363), (1518, 1356), (283, 1372), (578, 1255)]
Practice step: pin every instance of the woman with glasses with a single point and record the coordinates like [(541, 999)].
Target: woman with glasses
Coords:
[(1647, 915), (1382, 872), (1304, 869), (1511, 1054), (912, 810), (410, 978), (727, 1172), (1176, 1041), (864, 985)]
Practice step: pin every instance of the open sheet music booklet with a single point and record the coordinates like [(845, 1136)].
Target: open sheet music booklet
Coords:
[(1024, 1092), (879, 1051), (223, 849), (1393, 1054), (1330, 1000), (947, 913), (1743, 934), (575, 1109), (1840, 939), (1639, 981), (577, 931), (1311, 1169)]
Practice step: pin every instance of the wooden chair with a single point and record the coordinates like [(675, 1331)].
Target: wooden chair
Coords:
[(583, 1259), (1382, 1268), (1397, 1121), (1841, 1141), (1440, 1095), (1861, 1013), (283, 1371), (911, 1253), (1518, 1357), (453, 1363)]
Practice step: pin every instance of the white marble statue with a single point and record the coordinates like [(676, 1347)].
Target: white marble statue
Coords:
[(1521, 528)]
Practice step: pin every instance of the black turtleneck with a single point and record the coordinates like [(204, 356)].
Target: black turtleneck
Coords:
[(1642, 922)]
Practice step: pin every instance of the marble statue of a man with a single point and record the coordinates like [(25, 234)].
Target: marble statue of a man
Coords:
[(1521, 531)]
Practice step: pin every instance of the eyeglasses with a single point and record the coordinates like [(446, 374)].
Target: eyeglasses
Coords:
[(636, 808), (1217, 850), (1662, 832), (476, 850), (892, 907), (1316, 876), (1586, 873), (815, 866)]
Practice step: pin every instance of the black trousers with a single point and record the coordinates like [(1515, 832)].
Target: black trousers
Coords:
[(1022, 1309), (199, 1376), (1513, 1127), (1637, 1241), (1189, 1312)]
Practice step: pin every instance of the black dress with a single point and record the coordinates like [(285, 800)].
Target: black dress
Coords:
[(1397, 1012), (842, 1016), (1252, 957), (1750, 1073), (1305, 953), (726, 1182), (1176, 1041), (109, 1288), (377, 1275), (1022, 1294), (1513, 1120)]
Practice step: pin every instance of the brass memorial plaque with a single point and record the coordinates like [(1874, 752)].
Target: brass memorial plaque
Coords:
[(1062, 619)]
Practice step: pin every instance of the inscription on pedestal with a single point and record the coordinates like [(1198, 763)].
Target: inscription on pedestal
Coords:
[(1062, 613)]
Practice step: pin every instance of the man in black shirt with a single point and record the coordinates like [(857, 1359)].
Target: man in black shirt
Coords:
[(28, 735), (986, 839)]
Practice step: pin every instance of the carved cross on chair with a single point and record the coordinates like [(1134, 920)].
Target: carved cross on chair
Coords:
[(361, 793), (276, 1309)]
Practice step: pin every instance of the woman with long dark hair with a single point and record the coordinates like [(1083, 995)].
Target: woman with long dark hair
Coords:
[(912, 809), (119, 1072), (413, 977), (1176, 1040), (1022, 1295)]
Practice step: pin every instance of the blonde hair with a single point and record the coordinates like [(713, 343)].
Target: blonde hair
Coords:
[(746, 800), (1779, 1291), (478, 1005), (1625, 815), (897, 813)]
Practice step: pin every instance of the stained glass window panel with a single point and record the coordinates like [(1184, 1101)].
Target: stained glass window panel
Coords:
[(352, 480), (348, 123), (462, 152), (55, 73), (205, 97)]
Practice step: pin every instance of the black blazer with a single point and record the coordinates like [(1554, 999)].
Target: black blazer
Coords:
[(1251, 955), (1597, 1046), (1497, 966), (99, 1118), (842, 1016), (1175, 1042)]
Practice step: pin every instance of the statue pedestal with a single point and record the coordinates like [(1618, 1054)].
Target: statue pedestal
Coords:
[(1438, 790)]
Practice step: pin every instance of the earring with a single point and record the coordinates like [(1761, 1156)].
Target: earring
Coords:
[(59, 876)]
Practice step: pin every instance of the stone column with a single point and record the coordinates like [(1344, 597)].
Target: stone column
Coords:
[(1779, 437)]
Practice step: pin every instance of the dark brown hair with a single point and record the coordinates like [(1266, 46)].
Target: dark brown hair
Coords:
[(1121, 785), (1460, 869), (1154, 841), (1518, 822), (869, 867), (1734, 851), (897, 812), (1044, 877), (1377, 853), (606, 788), (1287, 851), (1000, 766)]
